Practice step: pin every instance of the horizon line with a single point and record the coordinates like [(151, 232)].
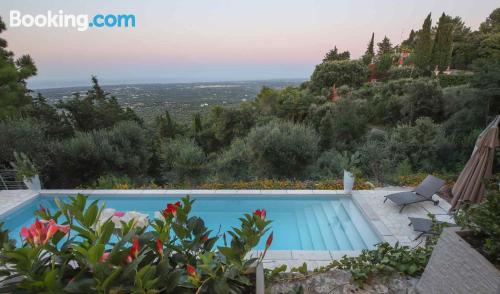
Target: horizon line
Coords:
[(111, 84)]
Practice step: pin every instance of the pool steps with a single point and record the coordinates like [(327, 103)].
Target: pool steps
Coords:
[(322, 225)]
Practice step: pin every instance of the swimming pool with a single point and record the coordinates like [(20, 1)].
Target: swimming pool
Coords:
[(300, 222)]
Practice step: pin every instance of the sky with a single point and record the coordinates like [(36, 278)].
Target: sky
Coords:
[(215, 40)]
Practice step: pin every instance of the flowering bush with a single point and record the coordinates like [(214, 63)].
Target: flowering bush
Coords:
[(86, 248), (415, 179), (287, 184), (263, 184)]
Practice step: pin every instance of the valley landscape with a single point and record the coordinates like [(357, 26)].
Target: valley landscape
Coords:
[(182, 100)]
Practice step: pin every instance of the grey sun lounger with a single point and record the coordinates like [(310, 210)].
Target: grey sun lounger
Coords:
[(424, 226), (429, 186)]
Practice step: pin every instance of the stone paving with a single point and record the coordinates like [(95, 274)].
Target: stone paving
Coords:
[(11, 199), (391, 225)]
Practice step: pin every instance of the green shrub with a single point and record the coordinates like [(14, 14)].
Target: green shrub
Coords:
[(293, 103), (375, 160), (113, 182), (234, 164), (327, 166), (352, 73), (384, 63), (87, 154), (384, 101), (282, 148), (120, 150), (423, 97), (385, 261), (183, 160), (130, 152), (403, 72), (222, 125), (416, 143), (484, 221), (24, 136), (340, 125), (454, 80), (466, 113)]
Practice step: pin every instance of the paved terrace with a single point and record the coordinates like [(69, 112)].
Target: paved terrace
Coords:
[(391, 225)]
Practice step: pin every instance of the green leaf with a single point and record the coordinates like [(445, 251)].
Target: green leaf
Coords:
[(80, 286), (91, 214), (106, 231), (95, 253), (50, 279), (109, 280)]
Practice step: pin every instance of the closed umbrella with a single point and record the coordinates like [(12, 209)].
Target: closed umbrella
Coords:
[(469, 185)]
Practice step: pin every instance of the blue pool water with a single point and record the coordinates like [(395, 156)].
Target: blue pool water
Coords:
[(305, 222)]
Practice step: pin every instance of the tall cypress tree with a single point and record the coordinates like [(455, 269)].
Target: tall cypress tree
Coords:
[(370, 51), (441, 51), (197, 127), (423, 45), (410, 42)]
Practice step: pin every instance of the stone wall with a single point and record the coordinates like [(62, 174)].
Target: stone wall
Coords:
[(456, 267), (336, 281)]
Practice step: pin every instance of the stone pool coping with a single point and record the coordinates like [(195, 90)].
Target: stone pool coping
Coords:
[(363, 199)]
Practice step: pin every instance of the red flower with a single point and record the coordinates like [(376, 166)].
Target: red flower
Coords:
[(40, 232), (134, 250), (204, 238), (260, 213), (269, 240), (191, 270), (171, 209), (159, 246)]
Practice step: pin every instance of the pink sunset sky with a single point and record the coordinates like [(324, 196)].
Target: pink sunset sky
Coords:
[(215, 40)]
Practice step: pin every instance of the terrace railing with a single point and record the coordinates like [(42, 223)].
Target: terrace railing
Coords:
[(9, 181)]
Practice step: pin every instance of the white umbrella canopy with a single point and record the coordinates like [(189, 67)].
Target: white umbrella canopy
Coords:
[(469, 185)]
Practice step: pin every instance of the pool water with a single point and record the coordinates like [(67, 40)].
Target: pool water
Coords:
[(305, 222)]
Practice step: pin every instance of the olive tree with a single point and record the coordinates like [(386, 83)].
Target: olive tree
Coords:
[(282, 148)]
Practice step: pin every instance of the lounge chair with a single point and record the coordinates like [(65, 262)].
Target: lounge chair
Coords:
[(424, 226), (423, 192)]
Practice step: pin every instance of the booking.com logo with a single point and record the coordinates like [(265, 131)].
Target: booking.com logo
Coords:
[(81, 22)]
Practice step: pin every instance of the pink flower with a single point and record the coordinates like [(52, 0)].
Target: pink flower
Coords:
[(63, 228), (260, 213), (119, 213), (40, 232), (104, 257)]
